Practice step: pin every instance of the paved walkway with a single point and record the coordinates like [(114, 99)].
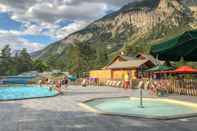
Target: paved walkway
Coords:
[(62, 113)]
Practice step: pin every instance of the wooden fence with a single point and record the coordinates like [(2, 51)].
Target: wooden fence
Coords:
[(183, 87), (171, 86)]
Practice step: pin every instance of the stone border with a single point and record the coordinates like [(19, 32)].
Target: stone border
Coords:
[(41, 97), (184, 103)]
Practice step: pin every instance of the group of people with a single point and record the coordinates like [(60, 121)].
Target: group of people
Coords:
[(58, 84)]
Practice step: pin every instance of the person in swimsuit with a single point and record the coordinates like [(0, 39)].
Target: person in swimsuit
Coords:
[(126, 81)]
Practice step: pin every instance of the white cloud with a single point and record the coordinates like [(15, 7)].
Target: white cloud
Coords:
[(39, 15), (4, 32), (3, 8), (12, 38), (117, 3), (52, 10), (18, 43), (65, 31), (46, 14)]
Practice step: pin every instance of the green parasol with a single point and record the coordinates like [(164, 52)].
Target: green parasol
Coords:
[(160, 68)]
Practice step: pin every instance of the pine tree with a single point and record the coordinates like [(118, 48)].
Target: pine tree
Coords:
[(24, 62), (40, 66), (6, 61)]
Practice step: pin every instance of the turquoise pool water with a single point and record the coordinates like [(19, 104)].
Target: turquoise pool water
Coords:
[(130, 107), (14, 92)]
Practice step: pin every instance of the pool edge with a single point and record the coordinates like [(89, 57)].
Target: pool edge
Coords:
[(92, 109), (20, 99)]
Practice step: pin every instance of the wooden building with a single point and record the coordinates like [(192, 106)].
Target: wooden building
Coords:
[(100, 74), (155, 61), (120, 66)]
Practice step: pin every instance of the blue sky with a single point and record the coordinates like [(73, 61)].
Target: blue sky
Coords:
[(43, 39), (8, 24), (33, 24)]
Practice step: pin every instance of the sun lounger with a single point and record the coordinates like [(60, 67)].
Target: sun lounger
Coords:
[(140, 84), (114, 83), (118, 84), (110, 83), (107, 83)]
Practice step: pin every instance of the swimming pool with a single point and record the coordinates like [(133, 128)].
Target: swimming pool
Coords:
[(17, 92), (153, 107)]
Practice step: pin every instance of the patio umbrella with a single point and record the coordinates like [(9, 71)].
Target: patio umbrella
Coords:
[(182, 70), (160, 68), (184, 46)]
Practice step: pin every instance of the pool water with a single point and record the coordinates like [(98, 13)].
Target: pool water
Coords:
[(14, 92), (152, 108)]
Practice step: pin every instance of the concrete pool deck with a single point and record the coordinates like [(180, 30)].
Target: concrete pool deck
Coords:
[(62, 113)]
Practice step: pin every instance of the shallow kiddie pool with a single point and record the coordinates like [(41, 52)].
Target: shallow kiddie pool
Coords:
[(17, 92), (153, 108)]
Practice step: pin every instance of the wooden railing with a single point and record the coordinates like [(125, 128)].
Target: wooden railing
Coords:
[(173, 86), (170, 86)]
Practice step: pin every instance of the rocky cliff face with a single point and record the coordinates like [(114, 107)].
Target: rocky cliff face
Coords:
[(133, 28)]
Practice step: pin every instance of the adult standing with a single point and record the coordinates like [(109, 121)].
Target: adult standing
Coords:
[(58, 85), (65, 82), (126, 81)]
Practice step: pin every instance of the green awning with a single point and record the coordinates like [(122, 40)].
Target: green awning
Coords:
[(183, 46), (160, 68), (72, 78)]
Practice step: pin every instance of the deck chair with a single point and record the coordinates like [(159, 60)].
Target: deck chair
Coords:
[(140, 84), (113, 83), (118, 84), (107, 83), (146, 84), (110, 83)]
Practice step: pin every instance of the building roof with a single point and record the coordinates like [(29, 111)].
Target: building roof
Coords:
[(127, 64), (151, 58), (126, 58)]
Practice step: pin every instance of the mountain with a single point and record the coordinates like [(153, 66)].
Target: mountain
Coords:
[(36, 53), (133, 28), (15, 52)]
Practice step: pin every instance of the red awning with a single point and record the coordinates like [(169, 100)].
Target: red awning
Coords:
[(181, 70)]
